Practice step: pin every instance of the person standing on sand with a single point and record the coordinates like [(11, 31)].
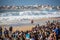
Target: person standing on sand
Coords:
[(32, 21), (57, 32), (6, 33), (10, 29)]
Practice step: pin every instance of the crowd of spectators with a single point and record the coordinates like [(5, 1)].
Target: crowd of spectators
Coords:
[(50, 31)]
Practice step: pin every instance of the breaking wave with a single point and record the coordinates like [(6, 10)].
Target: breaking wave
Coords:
[(26, 15)]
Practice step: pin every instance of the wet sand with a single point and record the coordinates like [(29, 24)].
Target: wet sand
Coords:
[(29, 27)]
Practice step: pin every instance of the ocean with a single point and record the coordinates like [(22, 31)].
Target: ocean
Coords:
[(29, 2), (24, 17)]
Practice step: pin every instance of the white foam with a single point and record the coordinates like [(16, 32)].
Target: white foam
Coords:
[(28, 15)]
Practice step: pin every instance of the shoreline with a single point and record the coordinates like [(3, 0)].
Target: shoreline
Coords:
[(23, 22), (30, 26)]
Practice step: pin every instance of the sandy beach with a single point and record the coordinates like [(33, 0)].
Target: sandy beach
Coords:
[(30, 26)]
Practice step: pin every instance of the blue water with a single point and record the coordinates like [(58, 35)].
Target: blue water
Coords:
[(29, 2), (5, 13), (19, 18)]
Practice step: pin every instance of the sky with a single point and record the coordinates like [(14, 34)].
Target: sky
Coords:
[(29, 2)]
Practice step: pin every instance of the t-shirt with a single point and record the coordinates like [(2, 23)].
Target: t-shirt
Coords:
[(27, 36), (57, 31), (0, 33), (6, 32)]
